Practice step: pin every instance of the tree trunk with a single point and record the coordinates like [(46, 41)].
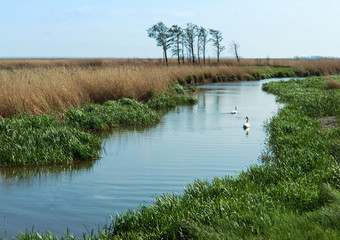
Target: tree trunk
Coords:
[(165, 56), (236, 55), (178, 53), (192, 52), (204, 52), (182, 52), (198, 52)]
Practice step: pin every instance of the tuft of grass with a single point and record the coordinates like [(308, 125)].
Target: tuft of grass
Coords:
[(167, 101), (40, 140), (331, 83), (112, 113)]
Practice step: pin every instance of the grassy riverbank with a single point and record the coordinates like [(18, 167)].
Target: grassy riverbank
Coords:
[(28, 140), (294, 194)]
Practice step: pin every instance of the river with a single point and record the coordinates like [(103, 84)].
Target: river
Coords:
[(191, 142)]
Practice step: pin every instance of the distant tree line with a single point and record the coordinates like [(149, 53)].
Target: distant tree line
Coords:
[(190, 42)]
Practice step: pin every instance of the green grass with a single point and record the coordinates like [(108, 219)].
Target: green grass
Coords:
[(41, 140), (245, 74), (278, 72), (168, 101), (125, 112), (173, 97)]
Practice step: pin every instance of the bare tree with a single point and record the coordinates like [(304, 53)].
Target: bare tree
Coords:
[(216, 39), (160, 33), (190, 35), (234, 46), (202, 41), (176, 38)]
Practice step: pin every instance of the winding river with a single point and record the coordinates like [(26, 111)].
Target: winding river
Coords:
[(197, 142)]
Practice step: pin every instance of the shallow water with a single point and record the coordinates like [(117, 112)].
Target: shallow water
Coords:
[(197, 142)]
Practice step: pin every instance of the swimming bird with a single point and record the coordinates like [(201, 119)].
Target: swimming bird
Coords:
[(235, 111), (246, 125)]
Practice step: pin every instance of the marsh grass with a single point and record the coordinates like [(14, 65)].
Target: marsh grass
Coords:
[(332, 83), (53, 86), (310, 64), (41, 140), (168, 101), (55, 90), (125, 112)]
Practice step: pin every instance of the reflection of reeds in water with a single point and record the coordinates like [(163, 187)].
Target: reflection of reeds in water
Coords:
[(31, 174)]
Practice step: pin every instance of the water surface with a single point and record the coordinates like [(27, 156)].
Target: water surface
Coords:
[(197, 142)]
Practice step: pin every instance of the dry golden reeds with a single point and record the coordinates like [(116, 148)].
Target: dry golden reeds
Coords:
[(56, 89), (54, 85), (331, 83), (317, 66)]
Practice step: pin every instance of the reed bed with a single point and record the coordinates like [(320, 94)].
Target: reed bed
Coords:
[(12, 64), (56, 89), (52, 86)]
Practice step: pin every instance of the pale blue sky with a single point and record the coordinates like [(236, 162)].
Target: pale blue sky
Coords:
[(117, 28)]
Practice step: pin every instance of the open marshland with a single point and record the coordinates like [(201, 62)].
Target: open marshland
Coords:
[(293, 188), (52, 86)]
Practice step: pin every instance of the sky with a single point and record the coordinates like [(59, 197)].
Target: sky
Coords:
[(117, 28)]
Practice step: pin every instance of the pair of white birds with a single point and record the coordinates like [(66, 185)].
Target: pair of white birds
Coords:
[(246, 125)]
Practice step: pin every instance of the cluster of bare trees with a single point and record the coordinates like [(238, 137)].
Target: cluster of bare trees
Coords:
[(190, 42)]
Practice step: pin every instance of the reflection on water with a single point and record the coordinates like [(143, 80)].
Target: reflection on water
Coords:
[(32, 174), (247, 131), (197, 142)]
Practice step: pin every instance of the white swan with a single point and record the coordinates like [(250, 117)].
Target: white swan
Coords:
[(246, 125), (235, 111)]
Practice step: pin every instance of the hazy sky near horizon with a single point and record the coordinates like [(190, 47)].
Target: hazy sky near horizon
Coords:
[(117, 28)]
